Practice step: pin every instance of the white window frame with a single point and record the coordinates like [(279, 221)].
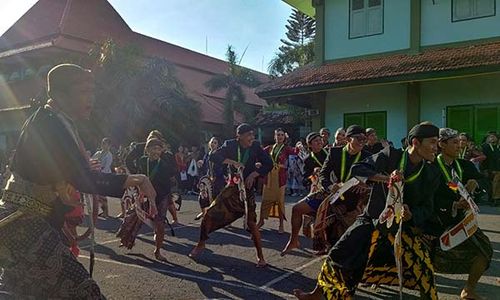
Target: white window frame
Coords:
[(474, 14), (365, 11)]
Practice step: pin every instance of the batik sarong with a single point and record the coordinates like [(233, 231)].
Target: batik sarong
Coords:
[(460, 259), (418, 271), (343, 269), (273, 197), (227, 208), (366, 255), (132, 223), (332, 220), (37, 264)]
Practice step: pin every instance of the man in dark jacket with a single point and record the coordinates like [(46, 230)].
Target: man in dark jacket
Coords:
[(240, 153), (50, 163)]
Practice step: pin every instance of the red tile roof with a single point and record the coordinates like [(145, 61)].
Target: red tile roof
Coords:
[(430, 62), (76, 24)]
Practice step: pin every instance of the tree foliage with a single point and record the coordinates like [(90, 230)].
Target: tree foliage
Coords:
[(298, 49), (232, 82), (135, 94)]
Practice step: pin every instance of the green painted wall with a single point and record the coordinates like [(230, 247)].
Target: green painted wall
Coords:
[(395, 36), (437, 95), (389, 98), (437, 26)]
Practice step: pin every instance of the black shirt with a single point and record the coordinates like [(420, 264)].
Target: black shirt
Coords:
[(445, 197), (48, 153), (160, 173), (248, 156), (375, 148), (418, 195), (311, 162), (333, 163)]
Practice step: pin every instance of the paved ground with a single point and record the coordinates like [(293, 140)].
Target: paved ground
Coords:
[(226, 270)]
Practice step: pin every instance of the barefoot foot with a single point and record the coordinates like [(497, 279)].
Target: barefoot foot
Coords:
[(289, 247), (468, 294), (196, 251), (300, 294), (159, 256), (261, 263)]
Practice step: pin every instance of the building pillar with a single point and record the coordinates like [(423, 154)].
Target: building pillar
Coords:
[(318, 102), (319, 38), (412, 104), (415, 24)]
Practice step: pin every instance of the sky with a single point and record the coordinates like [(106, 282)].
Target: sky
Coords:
[(205, 26)]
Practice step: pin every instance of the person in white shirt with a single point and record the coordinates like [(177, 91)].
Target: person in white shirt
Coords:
[(105, 159)]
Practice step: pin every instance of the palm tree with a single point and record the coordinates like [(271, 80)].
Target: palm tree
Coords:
[(232, 82), (135, 94)]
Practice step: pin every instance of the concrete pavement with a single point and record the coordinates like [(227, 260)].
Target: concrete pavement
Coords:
[(226, 269)]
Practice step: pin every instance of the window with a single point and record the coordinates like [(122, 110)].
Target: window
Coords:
[(366, 18), (377, 120), (476, 120), (472, 9)]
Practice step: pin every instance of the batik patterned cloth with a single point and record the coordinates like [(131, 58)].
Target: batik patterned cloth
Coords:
[(460, 259), (32, 252), (227, 208)]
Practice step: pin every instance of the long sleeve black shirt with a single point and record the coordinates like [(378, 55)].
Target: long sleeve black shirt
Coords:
[(229, 150), (418, 195)]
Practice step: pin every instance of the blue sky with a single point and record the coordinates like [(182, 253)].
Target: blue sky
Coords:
[(258, 24)]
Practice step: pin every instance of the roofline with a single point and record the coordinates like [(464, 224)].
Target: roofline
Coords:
[(405, 78), (194, 52), (24, 49), (18, 108), (304, 6)]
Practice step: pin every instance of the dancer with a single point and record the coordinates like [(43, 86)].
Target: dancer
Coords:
[(325, 135), (159, 173), (332, 220), (50, 162), (242, 152), (339, 137), (362, 253), (309, 205), (273, 193), (473, 256), (213, 182)]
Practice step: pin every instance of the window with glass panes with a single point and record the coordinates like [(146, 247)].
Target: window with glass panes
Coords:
[(472, 9), (366, 17)]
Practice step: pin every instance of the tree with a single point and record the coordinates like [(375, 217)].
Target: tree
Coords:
[(232, 82), (298, 49), (135, 94)]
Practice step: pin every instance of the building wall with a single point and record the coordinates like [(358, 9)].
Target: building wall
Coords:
[(437, 26), (395, 36), (389, 98), (435, 96)]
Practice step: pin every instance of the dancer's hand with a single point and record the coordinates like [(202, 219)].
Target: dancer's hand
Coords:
[(396, 176), (406, 214), (95, 165), (153, 210), (250, 180), (462, 204)]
